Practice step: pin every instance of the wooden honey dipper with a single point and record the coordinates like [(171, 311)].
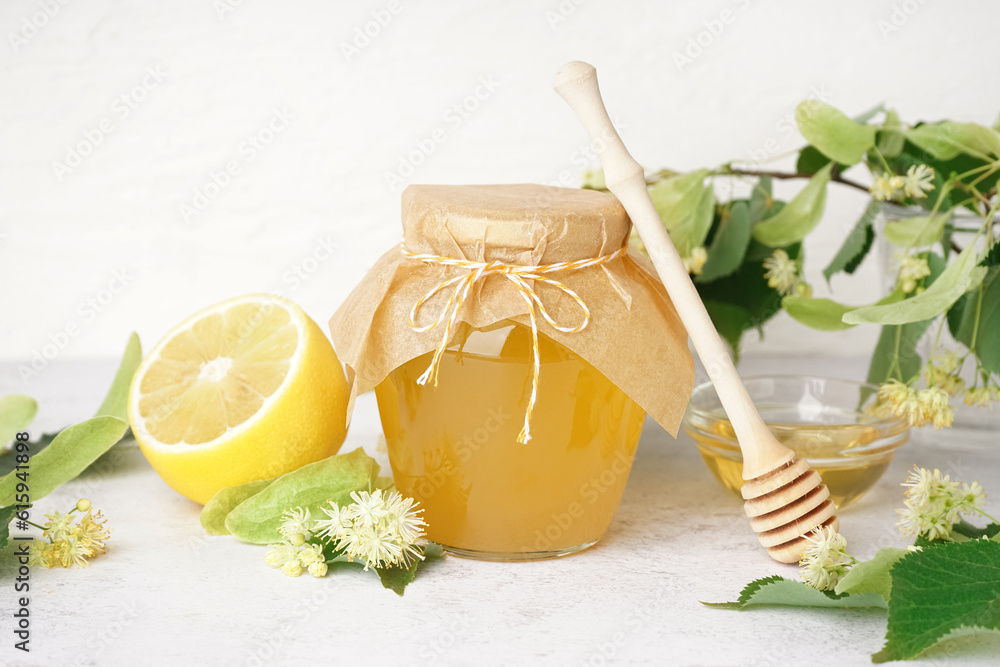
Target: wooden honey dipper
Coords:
[(785, 498)]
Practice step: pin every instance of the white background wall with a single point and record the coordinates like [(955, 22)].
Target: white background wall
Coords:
[(223, 67)]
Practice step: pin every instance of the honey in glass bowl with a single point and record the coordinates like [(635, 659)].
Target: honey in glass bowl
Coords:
[(822, 420)]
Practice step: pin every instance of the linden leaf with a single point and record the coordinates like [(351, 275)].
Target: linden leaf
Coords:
[(761, 199), (856, 245), (778, 591), (686, 206), (833, 133), (982, 329), (826, 314), (116, 401), (729, 245), (70, 453), (891, 139), (959, 277), (966, 529), (872, 576), (945, 140), (17, 411), (799, 216), (943, 591), (397, 579), (914, 232), (6, 514), (256, 519), (213, 515)]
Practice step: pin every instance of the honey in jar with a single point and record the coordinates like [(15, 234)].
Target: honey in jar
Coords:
[(515, 347)]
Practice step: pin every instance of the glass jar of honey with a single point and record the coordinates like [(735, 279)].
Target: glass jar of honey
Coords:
[(515, 347)]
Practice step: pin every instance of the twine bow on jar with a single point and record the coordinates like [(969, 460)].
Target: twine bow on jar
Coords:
[(519, 275)]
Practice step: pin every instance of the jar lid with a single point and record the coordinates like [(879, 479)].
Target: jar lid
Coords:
[(522, 223)]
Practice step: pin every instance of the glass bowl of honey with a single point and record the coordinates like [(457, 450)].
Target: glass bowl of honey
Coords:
[(823, 420)]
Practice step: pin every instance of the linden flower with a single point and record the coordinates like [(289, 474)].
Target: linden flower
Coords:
[(294, 559), (58, 526), (917, 408), (91, 533), (934, 407), (696, 262), (911, 269), (887, 187), (782, 272), (294, 521), (367, 508), (947, 362), (951, 384), (280, 554), (918, 181), (980, 397), (934, 503), (333, 525), (825, 559), (383, 530), (70, 543)]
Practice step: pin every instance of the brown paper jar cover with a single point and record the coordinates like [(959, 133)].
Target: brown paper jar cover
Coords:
[(634, 337)]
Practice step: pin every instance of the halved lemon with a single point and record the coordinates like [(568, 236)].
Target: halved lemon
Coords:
[(245, 390)]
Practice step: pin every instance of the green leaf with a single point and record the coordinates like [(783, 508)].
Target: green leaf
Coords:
[(907, 336), (915, 232), (17, 411), (778, 591), (857, 244), (256, 519), (890, 137), (116, 401), (872, 576), (8, 459), (685, 205), (729, 245), (730, 321), (748, 300), (987, 333), (945, 140), (959, 277), (70, 453), (966, 529), (943, 591), (6, 514), (799, 216), (213, 515), (825, 314), (397, 579), (957, 312), (817, 313), (833, 133), (810, 160), (992, 258), (868, 114), (760, 199)]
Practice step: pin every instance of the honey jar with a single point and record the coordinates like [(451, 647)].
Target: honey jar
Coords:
[(515, 346)]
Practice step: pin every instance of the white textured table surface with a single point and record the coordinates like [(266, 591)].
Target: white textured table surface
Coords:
[(169, 594)]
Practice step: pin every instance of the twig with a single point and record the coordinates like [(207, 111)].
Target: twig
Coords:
[(783, 175)]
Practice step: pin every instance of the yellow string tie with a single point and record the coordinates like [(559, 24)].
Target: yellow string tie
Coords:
[(519, 275)]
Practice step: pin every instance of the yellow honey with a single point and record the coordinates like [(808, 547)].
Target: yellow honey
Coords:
[(453, 446), (841, 453)]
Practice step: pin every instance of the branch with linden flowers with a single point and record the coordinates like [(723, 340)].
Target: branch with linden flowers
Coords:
[(944, 585), (746, 254)]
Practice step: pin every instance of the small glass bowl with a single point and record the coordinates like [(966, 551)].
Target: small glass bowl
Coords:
[(821, 419)]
